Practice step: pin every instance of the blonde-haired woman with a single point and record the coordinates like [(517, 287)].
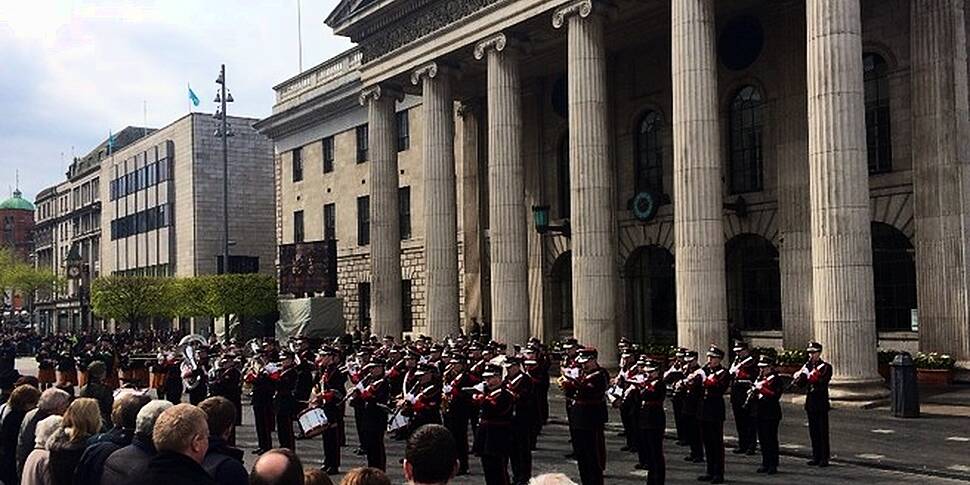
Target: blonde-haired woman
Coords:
[(81, 421)]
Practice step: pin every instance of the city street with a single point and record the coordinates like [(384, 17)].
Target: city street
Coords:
[(865, 447)]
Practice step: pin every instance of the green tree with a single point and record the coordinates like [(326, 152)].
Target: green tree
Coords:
[(133, 299), (243, 295)]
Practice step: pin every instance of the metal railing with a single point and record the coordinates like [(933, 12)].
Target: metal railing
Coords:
[(321, 74)]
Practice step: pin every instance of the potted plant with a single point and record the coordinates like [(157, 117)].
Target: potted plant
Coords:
[(659, 351), (791, 360), (885, 358), (934, 369)]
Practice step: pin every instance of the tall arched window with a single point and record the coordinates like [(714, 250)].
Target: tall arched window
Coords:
[(878, 130), (746, 124), (894, 278), (753, 283), (649, 153), (562, 159), (650, 290)]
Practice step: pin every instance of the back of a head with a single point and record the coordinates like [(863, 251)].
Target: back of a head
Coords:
[(430, 455), (83, 417), (220, 414), (45, 428), (177, 427), (148, 415), (124, 411), (279, 466), (316, 476), (365, 476), (552, 479), (96, 371), (23, 398), (53, 401)]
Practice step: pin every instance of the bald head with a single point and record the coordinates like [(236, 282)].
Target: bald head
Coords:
[(277, 467)]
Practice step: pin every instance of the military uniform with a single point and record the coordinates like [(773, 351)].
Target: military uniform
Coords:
[(262, 401), (766, 410), (690, 390), (374, 393), (493, 439), (715, 380), (671, 376), (587, 418), (651, 424), (815, 377), (743, 372), (526, 413), (459, 410), (287, 406), (333, 384)]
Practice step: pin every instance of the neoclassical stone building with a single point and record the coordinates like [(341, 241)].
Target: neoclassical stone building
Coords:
[(784, 170)]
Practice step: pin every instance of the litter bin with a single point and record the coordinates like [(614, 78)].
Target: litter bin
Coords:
[(905, 391)]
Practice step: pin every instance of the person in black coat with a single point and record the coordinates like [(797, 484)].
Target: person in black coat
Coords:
[(766, 408), (127, 465), (493, 438), (526, 413), (814, 376), (333, 388), (260, 377), (744, 370), (223, 461), (22, 399), (371, 396), (458, 407), (588, 416), (181, 436), (715, 381), (287, 406), (124, 413), (651, 421)]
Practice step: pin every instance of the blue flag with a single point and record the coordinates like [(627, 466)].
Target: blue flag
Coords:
[(111, 142), (193, 97)]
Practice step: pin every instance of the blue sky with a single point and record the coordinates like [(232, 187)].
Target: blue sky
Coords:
[(71, 70)]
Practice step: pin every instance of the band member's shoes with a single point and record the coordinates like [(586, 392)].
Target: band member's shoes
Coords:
[(739, 451), (751, 452), (812, 463), (640, 466), (717, 480), (762, 470), (330, 471), (705, 478), (823, 464)]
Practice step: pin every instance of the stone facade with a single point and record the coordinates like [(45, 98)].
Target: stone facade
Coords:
[(721, 114)]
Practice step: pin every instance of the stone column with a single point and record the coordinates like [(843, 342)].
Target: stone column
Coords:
[(440, 205), (508, 251), (385, 229), (471, 206), (698, 203), (940, 175), (592, 221), (844, 311), (793, 193)]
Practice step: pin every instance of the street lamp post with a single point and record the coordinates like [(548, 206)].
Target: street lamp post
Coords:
[(223, 98)]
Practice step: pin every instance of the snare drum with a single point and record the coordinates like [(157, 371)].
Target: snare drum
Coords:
[(313, 422)]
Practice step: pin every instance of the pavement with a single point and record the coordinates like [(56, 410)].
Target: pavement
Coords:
[(867, 445)]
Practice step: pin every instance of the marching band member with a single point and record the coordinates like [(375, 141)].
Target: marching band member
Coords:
[(287, 406), (690, 391), (766, 409), (493, 439), (651, 421), (172, 386), (715, 380), (588, 416), (673, 374), (525, 414), (373, 393), (539, 374), (333, 382), (743, 371), (815, 376), (457, 406), (570, 370), (425, 400), (625, 402), (259, 377), (198, 393)]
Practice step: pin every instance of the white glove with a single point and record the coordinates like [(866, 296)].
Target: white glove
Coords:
[(360, 386), (446, 389), (411, 398), (480, 387)]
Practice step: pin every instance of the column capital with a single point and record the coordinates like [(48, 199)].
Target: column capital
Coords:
[(432, 70), (378, 91), (469, 107), (497, 41), (581, 9)]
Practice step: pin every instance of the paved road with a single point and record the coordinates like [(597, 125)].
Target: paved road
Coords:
[(865, 444)]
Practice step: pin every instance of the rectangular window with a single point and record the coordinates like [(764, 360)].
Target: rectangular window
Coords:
[(363, 311), (329, 222), (363, 220), (328, 154), (298, 226), (404, 210), (403, 131), (297, 164), (407, 316), (362, 143)]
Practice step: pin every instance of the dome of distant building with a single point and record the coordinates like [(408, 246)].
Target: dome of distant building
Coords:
[(17, 202)]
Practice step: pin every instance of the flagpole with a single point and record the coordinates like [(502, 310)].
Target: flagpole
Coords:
[(299, 33)]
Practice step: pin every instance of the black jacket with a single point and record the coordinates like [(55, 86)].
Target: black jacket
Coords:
[(89, 469), (64, 457), (494, 434), (225, 463), (768, 391), (815, 378), (128, 464), (169, 468), (651, 401), (588, 410), (9, 431)]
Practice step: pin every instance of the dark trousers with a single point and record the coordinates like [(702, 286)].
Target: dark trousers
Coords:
[(629, 420), (284, 431), (678, 406), (746, 426), (651, 451), (331, 447), (692, 435), (521, 456), (768, 437), (458, 425), (359, 421), (373, 444), (590, 446), (712, 433), (264, 426), (818, 430), (496, 469)]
